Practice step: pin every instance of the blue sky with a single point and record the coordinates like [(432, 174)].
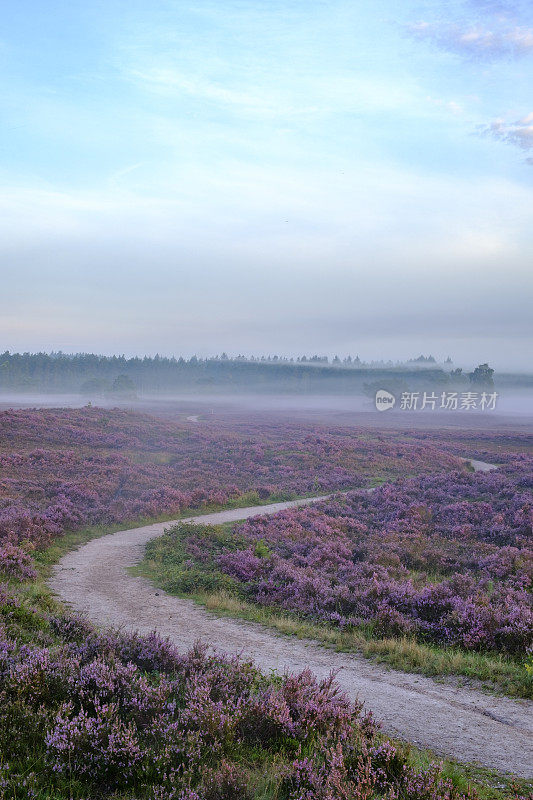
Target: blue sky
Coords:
[(352, 177)]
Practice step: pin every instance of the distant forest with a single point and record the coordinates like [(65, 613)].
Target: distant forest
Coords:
[(94, 375)]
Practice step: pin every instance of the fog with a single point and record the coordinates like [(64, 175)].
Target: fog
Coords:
[(514, 410)]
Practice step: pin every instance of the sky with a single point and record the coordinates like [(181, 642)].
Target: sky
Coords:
[(268, 177)]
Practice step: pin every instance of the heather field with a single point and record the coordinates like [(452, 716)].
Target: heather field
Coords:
[(62, 469), (96, 714), (443, 561)]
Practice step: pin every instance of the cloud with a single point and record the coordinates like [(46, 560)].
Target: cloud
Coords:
[(476, 41), (259, 100), (169, 81), (448, 105), (519, 133), (280, 95), (512, 8)]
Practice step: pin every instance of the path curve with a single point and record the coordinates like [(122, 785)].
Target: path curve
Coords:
[(464, 724)]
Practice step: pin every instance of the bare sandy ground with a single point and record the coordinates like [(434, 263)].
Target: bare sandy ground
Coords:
[(464, 724)]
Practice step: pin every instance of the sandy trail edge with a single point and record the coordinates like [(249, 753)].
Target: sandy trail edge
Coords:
[(464, 724)]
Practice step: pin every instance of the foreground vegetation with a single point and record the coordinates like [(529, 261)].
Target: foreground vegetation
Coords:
[(432, 574), (106, 715)]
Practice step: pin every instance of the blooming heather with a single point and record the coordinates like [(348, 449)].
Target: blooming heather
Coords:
[(445, 557), (103, 713), (61, 469)]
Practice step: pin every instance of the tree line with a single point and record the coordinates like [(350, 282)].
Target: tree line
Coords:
[(91, 374)]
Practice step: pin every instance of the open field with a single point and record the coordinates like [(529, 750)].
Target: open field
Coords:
[(266, 400), (118, 715), (65, 468)]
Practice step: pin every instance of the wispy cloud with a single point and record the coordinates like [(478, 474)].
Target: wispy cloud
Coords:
[(512, 8), (476, 41), (519, 133), (281, 95), (167, 80), (450, 106), (258, 102), (115, 178)]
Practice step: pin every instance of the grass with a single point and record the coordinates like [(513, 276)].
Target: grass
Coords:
[(204, 583), (37, 593), (488, 784), (44, 560)]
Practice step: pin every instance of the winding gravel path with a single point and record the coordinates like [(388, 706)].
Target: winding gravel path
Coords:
[(464, 724)]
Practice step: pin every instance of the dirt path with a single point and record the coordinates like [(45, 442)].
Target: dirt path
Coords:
[(464, 724)]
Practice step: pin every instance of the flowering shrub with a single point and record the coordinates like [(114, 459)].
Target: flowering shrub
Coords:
[(16, 562), (102, 713), (64, 468), (490, 445), (99, 744), (444, 557)]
